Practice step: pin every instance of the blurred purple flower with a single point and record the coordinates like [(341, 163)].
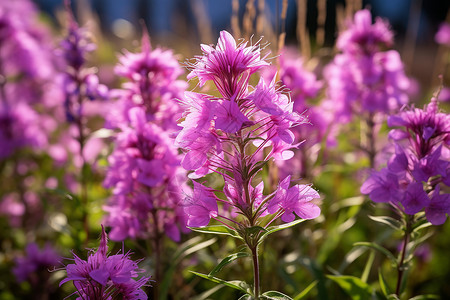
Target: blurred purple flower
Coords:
[(36, 259), (419, 166), (152, 83), (80, 83), (443, 34), (147, 181), (363, 78)]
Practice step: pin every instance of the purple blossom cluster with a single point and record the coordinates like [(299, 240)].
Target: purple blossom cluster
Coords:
[(227, 133), (79, 82), (145, 172), (420, 166), (36, 259), (152, 84), (364, 78), (106, 277), (27, 70)]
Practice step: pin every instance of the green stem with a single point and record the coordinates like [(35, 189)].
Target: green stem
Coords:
[(400, 266), (256, 283), (157, 250)]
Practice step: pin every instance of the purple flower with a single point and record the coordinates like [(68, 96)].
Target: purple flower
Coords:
[(36, 259), (106, 277), (443, 34), (439, 208), (415, 198), (382, 186), (363, 36), (201, 206), (297, 199), (80, 83), (219, 135), (152, 84), (420, 165), (229, 65), (146, 179)]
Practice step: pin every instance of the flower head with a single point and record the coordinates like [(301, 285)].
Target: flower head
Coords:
[(228, 65), (104, 277), (419, 166)]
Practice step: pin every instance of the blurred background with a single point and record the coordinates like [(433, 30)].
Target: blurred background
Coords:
[(182, 24)]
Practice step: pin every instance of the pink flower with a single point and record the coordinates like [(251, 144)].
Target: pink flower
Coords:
[(443, 34), (296, 199), (201, 206), (226, 63)]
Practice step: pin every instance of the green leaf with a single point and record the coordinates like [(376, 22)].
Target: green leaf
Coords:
[(391, 222), (273, 229), (425, 297), (257, 167), (368, 267), (378, 248), (235, 284), (188, 247), (246, 297), (383, 285), (226, 261), (353, 286), (206, 294), (217, 229), (306, 290), (274, 295)]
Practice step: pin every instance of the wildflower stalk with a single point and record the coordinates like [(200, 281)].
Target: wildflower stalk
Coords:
[(400, 265), (256, 282), (157, 247), (82, 177)]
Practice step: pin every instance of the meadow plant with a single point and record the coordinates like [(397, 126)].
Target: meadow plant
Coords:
[(144, 168), (417, 175), (80, 84), (226, 134), (365, 80)]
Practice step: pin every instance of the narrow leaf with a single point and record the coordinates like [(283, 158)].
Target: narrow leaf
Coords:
[(273, 229), (353, 286), (383, 285), (378, 248), (274, 295), (226, 261), (217, 229), (366, 272), (305, 292), (235, 284), (391, 222), (425, 297)]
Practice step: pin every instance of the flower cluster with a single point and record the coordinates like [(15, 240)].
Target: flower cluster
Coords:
[(415, 174), (80, 83), (144, 170), (363, 78), (35, 260), (143, 174), (152, 83), (26, 79), (226, 134), (106, 277)]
